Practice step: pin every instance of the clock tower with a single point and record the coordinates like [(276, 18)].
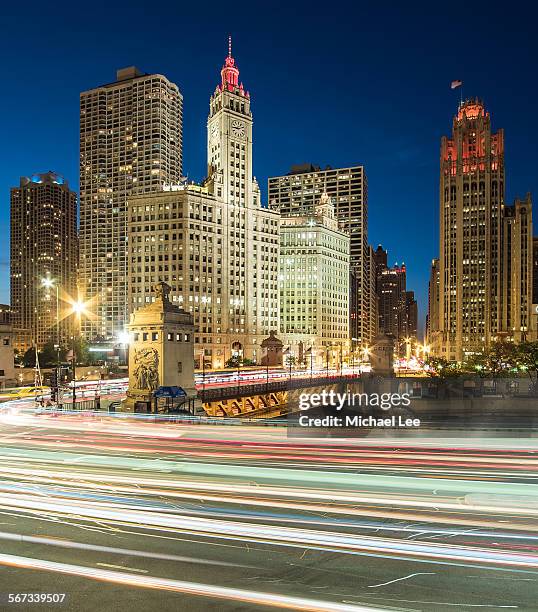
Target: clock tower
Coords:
[(229, 138), (248, 309)]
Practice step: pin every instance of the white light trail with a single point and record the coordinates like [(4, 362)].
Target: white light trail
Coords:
[(179, 586)]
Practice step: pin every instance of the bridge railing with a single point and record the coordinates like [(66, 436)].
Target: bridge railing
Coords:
[(241, 390)]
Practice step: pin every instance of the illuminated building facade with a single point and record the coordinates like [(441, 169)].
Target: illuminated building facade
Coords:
[(214, 243), (44, 245), (371, 327), (391, 284), (130, 143), (432, 317), (517, 271), (297, 194), (535, 271), (7, 356), (475, 267), (314, 286), (409, 324), (397, 307)]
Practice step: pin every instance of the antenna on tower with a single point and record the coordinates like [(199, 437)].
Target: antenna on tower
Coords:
[(229, 46)]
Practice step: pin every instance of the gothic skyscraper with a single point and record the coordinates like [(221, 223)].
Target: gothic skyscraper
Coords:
[(480, 298)]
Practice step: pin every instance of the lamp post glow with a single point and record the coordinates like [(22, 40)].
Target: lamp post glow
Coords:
[(50, 283), (124, 339), (78, 308)]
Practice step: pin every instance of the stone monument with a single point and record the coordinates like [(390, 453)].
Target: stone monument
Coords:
[(382, 355), (161, 352)]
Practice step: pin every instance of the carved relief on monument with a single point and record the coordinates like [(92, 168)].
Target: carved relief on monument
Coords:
[(146, 369)]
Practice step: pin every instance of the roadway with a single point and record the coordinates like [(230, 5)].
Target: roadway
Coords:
[(124, 515)]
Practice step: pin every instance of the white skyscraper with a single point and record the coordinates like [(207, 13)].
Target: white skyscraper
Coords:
[(214, 243)]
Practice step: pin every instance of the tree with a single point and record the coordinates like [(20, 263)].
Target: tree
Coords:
[(48, 355), (439, 367), (496, 361), (291, 360), (28, 359), (82, 352), (233, 362), (238, 362)]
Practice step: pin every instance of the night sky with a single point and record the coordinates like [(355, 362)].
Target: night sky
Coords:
[(333, 84)]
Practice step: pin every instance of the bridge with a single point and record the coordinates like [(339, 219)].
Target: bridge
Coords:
[(264, 400)]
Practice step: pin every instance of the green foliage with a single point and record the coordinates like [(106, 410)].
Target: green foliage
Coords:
[(527, 359), (81, 351), (48, 355), (233, 362), (502, 359), (238, 362), (439, 367), (497, 361), (28, 359)]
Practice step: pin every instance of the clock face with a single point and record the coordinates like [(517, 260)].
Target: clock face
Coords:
[(238, 129), (214, 131)]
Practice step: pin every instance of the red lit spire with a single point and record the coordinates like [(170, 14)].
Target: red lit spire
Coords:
[(229, 72)]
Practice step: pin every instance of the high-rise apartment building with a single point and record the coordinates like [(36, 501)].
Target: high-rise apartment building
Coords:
[(478, 258), (380, 261), (297, 194), (409, 323), (44, 259), (130, 143), (214, 243), (314, 286), (397, 307), (391, 288)]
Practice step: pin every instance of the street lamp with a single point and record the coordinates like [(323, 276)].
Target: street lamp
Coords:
[(50, 283), (78, 308), (353, 353), (288, 354), (365, 353), (202, 355), (124, 339), (311, 352)]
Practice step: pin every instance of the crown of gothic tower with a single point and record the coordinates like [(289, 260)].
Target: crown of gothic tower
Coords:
[(230, 74)]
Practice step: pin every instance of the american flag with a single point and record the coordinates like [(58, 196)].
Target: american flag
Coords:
[(455, 84)]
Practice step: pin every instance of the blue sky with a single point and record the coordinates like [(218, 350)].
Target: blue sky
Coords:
[(335, 85)]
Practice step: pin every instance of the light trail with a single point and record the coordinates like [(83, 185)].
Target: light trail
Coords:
[(240, 506), (178, 586), (124, 513)]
